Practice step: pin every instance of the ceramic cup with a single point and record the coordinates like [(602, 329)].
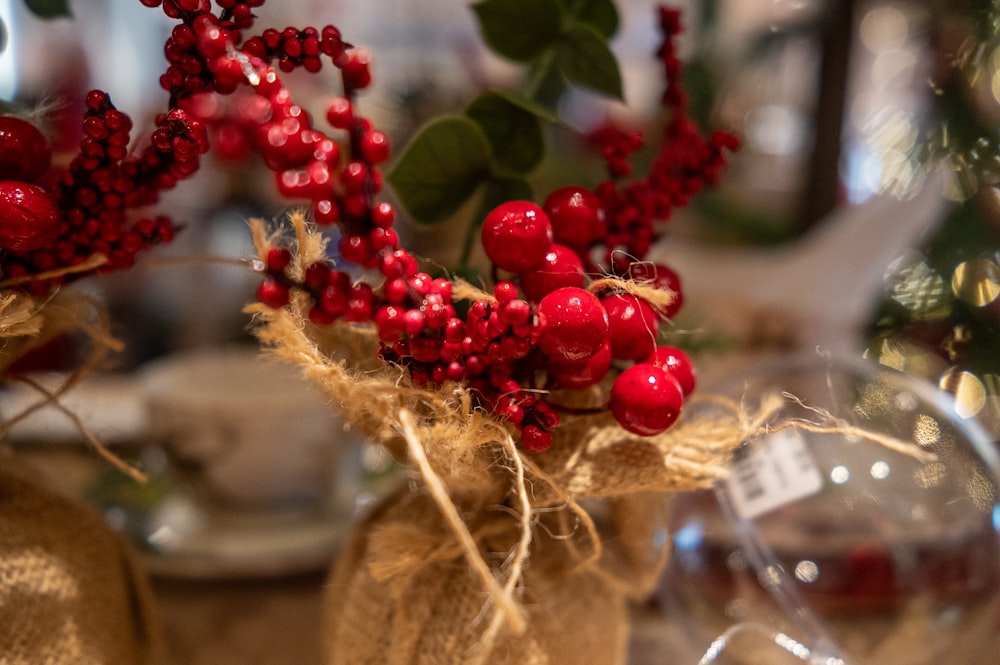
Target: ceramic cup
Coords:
[(247, 432)]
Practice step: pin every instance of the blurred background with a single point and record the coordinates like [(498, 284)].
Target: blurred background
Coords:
[(861, 214)]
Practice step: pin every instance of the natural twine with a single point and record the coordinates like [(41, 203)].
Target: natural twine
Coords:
[(27, 324)]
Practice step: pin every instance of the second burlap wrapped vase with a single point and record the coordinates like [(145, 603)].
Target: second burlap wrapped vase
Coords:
[(491, 554), (72, 591)]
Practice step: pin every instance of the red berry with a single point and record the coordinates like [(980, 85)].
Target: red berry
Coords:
[(375, 147), (676, 363), (645, 400), (577, 216), (633, 326), (562, 267), (29, 219), (272, 293), (660, 277), (535, 439), (516, 236), (340, 113), (24, 152), (355, 69), (572, 325)]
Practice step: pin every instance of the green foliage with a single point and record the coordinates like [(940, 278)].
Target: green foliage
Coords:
[(514, 134), (48, 8), (519, 29), (584, 58), (500, 141), (601, 15), (441, 168)]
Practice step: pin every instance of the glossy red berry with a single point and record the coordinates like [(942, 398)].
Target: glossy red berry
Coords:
[(562, 267), (676, 363), (535, 439), (572, 325), (273, 294), (645, 400), (633, 326), (29, 219), (25, 154), (516, 236), (577, 216)]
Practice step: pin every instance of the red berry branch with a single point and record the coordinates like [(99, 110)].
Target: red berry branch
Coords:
[(547, 326)]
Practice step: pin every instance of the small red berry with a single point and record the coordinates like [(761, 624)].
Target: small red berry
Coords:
[(516, 236), (375, 147), (535, 439), (645, 400), (633, 326), (340, 113), (572, 325), (29, 219), (355, 69), (676, 363), (24, 152), (272, 293), (577, 216)]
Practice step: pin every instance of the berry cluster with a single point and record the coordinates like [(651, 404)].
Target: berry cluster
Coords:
[(685, 163), (83, 212), (60, 224), (547, 326)]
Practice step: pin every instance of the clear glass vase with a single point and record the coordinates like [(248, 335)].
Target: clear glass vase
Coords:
[(861, 527)]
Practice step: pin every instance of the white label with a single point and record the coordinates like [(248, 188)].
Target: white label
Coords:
[(774, 472)]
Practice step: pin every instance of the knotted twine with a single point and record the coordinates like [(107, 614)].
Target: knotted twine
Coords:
[(491, 555)]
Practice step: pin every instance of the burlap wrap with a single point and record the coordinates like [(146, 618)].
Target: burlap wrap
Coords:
[(71, 592), (491, 555)]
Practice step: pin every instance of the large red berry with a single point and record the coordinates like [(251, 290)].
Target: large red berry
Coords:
[(24, 152), (660, 277), (645, 400), (516, 236), (676, 363), (29, 219), (577, 216), (572, 325), (633, 326), (562, 267)]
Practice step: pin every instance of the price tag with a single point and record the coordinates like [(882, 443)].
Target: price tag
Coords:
[(775, 472)]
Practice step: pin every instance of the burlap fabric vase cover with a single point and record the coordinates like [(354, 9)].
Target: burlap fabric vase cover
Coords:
[(71, 592)]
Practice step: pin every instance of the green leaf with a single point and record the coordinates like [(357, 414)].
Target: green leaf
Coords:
[(519, 29), (48, 8), (601, 15), (546, 84), (585, 59), (529, 105), (441, 168), (515, 134)]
